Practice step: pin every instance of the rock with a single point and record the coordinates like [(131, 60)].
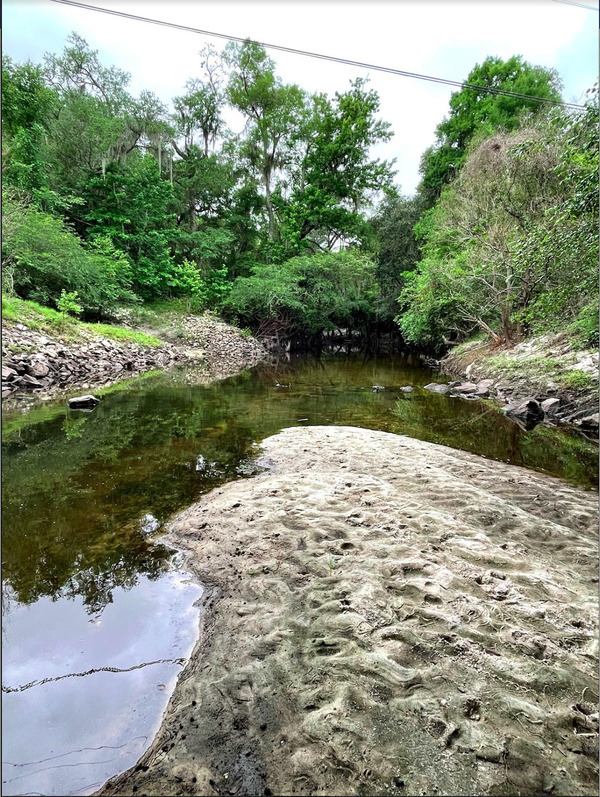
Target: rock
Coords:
[(377, 388), (527, 410), (589, 423), (485, 384), (38, 369), (550, 406), (407, 389), (582, 413), (466, 387), (83, 402), (29, 381), (436, 388), (7, 372)]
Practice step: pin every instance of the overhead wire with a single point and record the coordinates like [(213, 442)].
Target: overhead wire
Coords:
[(309, 54), (579, 5)]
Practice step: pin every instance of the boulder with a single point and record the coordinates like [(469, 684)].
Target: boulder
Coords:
[(436, 388), (7, 372), (550, 406), (483, 388), (466, 387), (38, 369), (377, 388), (83, 402), (28, 381), (527, 410), (407, 389)]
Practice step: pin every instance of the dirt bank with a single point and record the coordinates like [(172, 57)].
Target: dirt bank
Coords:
[(385, 616)]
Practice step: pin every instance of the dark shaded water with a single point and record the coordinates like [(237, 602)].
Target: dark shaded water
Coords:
[(85, 496)]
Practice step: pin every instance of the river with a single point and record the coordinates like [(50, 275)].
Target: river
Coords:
[(98, 616)]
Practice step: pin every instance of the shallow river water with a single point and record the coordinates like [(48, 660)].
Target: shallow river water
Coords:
[(98, 618)]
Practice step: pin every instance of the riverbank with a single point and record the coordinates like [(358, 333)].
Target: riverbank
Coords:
[(47, 363), (384, 615), (544, 369)]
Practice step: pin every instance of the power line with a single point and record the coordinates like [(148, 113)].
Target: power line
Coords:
[(307, 53), (579, 5)]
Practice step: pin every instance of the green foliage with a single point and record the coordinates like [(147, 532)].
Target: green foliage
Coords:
[(309, 294), (399, 252), (337, 178), (27, 108), (476, 113), (44, 257), (585, 329), (67, 304), (131, 207), (578, 380), (512, 246)]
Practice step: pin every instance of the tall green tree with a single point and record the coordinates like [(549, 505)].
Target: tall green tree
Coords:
[(336, 178), (133, 207), (27, 109), (273, 111), (398, 247), (481, 113)]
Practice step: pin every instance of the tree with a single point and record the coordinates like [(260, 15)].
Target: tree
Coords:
[(133, 207), (563, 249), (199, 110), (482, 113), (44, 258), (470, 275), (27, 108), (336, 178), (398, 248), (309, 294), (273, 110)]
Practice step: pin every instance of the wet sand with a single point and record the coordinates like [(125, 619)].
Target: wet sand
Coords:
[(385, 616)]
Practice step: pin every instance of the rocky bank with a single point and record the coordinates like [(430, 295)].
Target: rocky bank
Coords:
[(547, 371), (35, 364), (385, 616)]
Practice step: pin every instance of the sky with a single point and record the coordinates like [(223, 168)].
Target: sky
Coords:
[(438, 38)]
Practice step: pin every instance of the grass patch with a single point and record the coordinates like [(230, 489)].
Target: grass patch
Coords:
[(34, 315), (578, 380), (51, 322), (122, 334)]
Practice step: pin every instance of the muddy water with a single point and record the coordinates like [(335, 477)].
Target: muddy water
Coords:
[(91, 592)]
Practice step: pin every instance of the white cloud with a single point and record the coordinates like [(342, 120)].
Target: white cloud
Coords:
[(442, 39)]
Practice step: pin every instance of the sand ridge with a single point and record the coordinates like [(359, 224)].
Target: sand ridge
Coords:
[(385, 616)]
